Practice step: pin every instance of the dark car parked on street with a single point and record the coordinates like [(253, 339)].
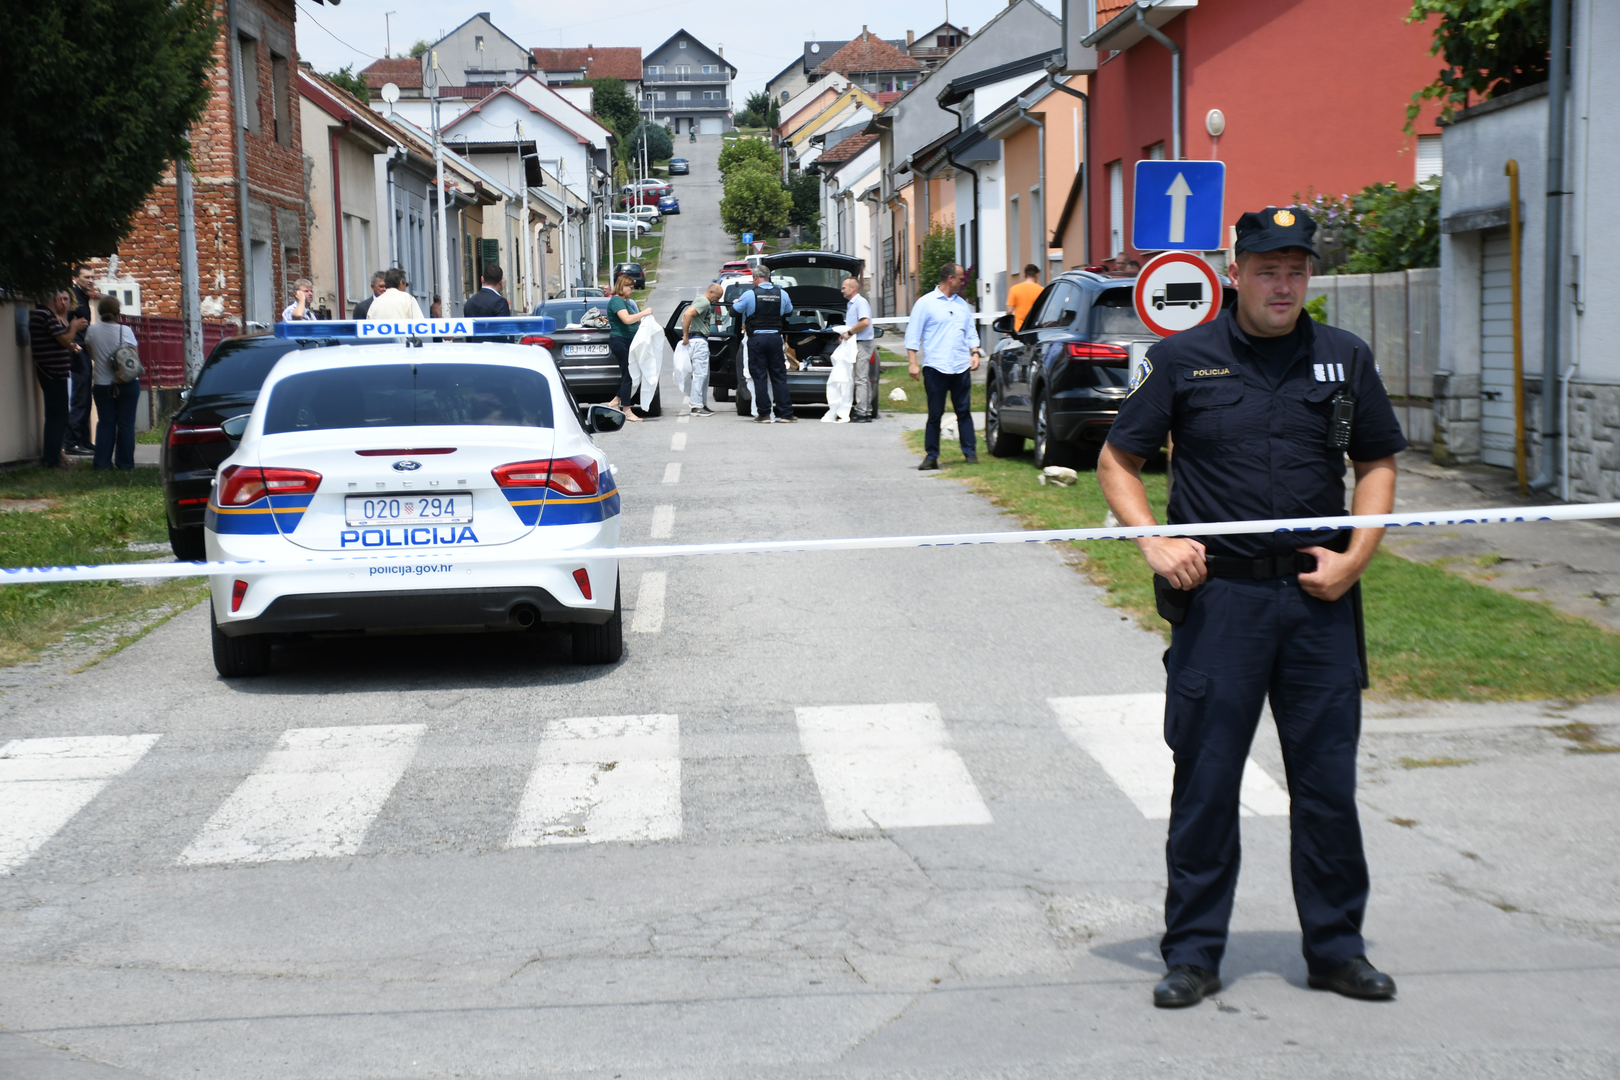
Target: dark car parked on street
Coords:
[(633, 271), (1060, 378), (581, 351), (812, 280)]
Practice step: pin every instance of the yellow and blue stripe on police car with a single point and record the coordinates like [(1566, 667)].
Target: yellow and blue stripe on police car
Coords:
[(550, 507)]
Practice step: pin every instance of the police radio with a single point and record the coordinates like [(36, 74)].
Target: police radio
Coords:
[(1342, 416)]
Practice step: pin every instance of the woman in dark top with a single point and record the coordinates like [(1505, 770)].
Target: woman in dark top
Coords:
[(53, 346), (622, 319)]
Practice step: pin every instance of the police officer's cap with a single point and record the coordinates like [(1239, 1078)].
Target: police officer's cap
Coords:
[(1274, 229)]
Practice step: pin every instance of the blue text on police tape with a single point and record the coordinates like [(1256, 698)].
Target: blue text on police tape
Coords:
[(409, 536)]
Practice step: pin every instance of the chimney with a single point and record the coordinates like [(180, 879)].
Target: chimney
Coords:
[(911, 38)]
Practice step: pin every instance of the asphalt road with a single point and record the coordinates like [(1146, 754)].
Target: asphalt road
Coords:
[(867, 814)]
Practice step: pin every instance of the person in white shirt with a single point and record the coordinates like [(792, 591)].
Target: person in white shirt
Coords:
[(395, 304), (941, 328), (303, 300), (858, 321)]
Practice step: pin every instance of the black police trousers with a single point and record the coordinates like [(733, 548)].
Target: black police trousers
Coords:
[(767, 365), (1244, 640)]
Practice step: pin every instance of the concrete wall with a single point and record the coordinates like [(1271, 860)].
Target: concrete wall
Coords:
[(22, 410)]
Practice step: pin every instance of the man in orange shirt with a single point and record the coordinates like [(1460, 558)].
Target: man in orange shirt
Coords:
[(1021, 297)]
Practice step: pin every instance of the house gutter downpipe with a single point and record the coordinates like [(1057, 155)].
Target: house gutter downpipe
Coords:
[(1175, 79), (1552, 295), (1085, 155), (1046, 196)]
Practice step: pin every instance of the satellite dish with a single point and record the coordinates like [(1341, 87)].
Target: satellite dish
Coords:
[(390, 93), (815, 46)]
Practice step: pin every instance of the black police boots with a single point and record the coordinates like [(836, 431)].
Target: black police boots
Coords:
[(1355, 978), (1186, 984)]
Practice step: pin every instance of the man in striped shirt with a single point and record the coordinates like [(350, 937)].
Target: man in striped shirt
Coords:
[(52, 344)]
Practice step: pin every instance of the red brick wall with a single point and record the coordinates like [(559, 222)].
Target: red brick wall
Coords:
[(151, 252)]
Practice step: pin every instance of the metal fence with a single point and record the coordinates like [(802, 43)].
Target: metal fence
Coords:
[(163, 350), (1399, 316)]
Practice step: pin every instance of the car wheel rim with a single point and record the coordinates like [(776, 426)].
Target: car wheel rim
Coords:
[(1040, 429), (992, 415)]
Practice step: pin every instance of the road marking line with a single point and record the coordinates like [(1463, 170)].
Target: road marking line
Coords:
[(677, 441), (683, 419), (314, 796), (672, 473), (650, 603), (601, 779), (1124, 733), (45, 782), (663, 522), (888, 766)]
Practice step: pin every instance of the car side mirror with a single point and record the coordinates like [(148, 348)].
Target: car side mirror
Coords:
[(235, 426), (1003, 325), (878, 331), (602, 418)]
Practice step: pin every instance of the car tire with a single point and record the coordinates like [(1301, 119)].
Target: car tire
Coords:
[(996, 438), (745, 402), (244, 657), (187, 544), (722, 394), (602, 644), (656, 406), (1049, 451)]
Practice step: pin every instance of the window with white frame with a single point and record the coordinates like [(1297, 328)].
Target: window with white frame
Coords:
[(1429, 160), (655, 69), (683, 43), (683, 95), (713, 95), (708, 69)]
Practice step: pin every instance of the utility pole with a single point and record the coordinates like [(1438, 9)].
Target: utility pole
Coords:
[(190, 300), (388, 29), (444, 221), (528, 278)]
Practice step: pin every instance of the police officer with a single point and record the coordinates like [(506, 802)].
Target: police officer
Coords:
[(1263, 405), (764, 309)]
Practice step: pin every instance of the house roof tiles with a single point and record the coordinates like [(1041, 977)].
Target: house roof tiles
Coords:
[(404, 72), (868, 54), (618, 62)]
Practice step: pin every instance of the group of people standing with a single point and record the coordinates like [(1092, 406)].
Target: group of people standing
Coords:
[(75, 362)]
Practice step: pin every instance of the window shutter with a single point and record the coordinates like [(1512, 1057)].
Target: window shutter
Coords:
[(489, 251)]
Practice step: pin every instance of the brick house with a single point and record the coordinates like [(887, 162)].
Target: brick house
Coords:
[(251, 220)]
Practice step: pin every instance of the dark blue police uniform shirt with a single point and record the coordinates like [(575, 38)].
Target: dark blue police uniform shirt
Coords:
[(1249, 446)]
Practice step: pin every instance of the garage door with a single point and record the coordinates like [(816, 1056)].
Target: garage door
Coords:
[(711, 125), (1496, 349)]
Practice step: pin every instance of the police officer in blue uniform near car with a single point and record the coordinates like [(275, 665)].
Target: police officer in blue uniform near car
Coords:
[(1263, 405), (764, 310)]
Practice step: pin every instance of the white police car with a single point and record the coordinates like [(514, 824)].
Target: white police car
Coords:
[(444, 465)]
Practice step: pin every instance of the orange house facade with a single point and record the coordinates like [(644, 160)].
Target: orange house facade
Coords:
[(1311, 97)]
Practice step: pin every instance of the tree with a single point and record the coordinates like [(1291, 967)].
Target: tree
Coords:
[(754, 202), (422, 45), (758, 103), (806, 192), (1490, 47), (348, 80), (614, 106), (938, 249), (102, 94), (742, 151)]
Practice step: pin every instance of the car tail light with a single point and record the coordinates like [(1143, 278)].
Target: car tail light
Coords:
[(540, 340), (408, 452), (583, 580), (240, 485), (189, 434), (567, 476), (238, 591), (1092, 350)]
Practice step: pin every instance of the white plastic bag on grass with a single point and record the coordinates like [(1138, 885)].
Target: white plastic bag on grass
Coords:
[(841, 383), (897, 394), (646, 361), (682, 367)]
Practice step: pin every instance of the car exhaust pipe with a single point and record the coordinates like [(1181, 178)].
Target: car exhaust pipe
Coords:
[(525, 615)]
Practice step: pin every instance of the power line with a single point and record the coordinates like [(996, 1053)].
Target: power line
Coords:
[(359, 52)]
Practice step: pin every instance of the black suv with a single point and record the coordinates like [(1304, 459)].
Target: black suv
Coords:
[(1060, 378), (633, 271)]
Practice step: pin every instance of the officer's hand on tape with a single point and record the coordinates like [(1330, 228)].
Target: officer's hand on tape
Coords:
[(1176, 559)]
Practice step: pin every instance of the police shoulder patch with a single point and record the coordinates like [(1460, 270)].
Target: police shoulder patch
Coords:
[(1139, 373)]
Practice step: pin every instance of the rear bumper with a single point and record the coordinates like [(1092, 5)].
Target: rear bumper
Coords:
[(1080, 417), (431, 609), (186, 498)]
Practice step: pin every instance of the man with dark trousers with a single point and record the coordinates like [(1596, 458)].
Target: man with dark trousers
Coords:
[(487, 302), (764, 310), (83, 292), (1264, 405)]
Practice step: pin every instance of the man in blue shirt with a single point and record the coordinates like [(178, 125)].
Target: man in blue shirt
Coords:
[(764, 310), (941, 327), (1264, 406)]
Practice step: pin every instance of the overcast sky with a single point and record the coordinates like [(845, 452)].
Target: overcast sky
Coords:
[(759, 38)]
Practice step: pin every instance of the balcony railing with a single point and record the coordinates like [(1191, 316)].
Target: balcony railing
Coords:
[(689, 76), (671, 105)]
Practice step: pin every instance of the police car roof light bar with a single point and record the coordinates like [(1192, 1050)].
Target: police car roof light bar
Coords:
[(365, 329)]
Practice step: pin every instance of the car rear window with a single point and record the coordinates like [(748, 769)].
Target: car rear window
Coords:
[(1113, 312), (409, 395), (239, 368)]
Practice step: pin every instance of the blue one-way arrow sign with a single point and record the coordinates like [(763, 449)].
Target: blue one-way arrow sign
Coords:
[(1178, 205)]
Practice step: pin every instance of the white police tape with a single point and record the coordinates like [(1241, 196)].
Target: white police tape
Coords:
[(31, 575)]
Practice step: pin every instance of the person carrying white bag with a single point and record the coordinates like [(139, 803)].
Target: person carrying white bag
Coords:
[(696, 324), (841, 383), (647, 361), (623, 315)]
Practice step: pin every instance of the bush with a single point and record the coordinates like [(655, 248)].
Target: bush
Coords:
[(348, 80), (755, 202), (740, 152), (1490, 47), (1381, 229)]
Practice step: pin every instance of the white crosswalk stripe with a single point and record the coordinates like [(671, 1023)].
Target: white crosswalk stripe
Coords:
[(314, 796), (1125, 734), (888, 766), (601, 779), (44, 782)]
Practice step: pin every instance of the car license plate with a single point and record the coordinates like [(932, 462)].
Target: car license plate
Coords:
[(449, 508), (585, 350)]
